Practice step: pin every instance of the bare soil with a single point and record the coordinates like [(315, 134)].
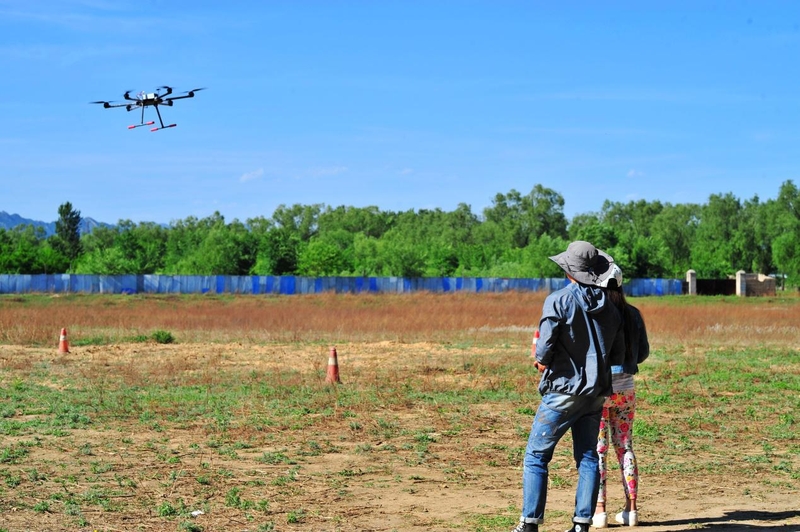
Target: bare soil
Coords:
[(359, 480), (400, 461)]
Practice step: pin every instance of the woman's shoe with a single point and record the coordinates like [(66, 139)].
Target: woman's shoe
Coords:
[(600, 520), (627, 518)]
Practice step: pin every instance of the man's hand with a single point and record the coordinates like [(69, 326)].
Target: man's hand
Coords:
[(538, 365)]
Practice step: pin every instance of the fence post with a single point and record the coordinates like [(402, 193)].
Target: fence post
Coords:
[(741, 283), (691, 280)]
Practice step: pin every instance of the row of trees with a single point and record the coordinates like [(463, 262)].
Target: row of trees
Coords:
[(511, 238)]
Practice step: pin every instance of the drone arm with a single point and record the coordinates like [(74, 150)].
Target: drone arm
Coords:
[(109, 105), (187, 94), (190, 95)]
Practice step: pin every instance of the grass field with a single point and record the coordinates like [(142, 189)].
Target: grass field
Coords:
[(169, 406)]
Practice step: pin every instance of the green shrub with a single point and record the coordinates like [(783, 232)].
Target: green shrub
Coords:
[(163, 337)]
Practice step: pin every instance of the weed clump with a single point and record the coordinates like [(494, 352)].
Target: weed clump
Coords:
[(163, 337)]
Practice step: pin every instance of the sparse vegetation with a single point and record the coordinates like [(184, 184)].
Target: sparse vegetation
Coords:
[(238, 422)]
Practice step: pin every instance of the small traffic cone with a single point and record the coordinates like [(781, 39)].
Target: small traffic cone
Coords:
[(534, 342), (333, 368), (63, 345)]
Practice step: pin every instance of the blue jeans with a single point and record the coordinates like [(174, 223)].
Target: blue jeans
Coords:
[(557, 413)]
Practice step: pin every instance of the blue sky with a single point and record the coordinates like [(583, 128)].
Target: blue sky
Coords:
[(401, 105)]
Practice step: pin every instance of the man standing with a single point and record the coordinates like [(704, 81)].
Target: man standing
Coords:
[(580, 338)]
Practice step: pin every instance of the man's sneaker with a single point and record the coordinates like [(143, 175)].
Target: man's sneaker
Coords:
[(526, 527), (627, 518), (579, 527), (600, 520)]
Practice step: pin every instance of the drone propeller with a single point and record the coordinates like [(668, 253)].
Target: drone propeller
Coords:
[(107, 105), (191, 92), (186, 94), (127, 96)]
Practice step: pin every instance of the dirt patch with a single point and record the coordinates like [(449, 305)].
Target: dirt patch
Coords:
[(398, 467)]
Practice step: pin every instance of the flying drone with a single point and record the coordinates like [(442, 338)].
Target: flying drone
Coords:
[(149, 99)]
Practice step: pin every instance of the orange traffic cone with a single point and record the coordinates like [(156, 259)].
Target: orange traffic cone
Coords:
[(333, 368), (63, 345), (533, 343)]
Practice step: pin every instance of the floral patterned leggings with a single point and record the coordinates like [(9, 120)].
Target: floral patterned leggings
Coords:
[(617, 419)]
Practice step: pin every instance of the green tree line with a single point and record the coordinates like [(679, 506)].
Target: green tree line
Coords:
[(511, 238)]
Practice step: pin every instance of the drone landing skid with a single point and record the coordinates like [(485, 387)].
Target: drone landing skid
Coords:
[(163, 127), (142, 124)]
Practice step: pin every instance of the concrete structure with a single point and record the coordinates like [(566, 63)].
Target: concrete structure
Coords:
[(741, 283), (691, 280), (755, 284)]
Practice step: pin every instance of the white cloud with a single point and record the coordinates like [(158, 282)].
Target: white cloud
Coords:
[(327, 171), (406, 171), (635, 173), (249, 176)]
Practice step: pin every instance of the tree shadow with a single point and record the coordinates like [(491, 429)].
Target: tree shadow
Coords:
[(730, 521)]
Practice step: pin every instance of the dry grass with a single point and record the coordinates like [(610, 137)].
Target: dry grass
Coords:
[(426, 432), (475, 319), (699, 321), (32, 320)]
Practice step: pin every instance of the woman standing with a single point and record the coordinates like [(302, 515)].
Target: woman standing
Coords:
[(619, 409)]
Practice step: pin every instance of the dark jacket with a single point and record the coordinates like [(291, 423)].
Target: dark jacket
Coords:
[(640, 346), (580, 338)]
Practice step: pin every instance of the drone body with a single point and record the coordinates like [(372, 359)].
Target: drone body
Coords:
[(152, 99)]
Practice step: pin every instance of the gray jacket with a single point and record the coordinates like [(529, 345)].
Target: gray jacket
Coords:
[(580, 338)]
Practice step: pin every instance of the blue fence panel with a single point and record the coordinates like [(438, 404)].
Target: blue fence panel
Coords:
[(149, 283), (192, 284), (129, 284), (61, 283), (398, 284), (351, 285), (430, 284), (39, 283), (653, 287), (289, 284), (328, 284), (12, 284), (304, 285), (83, 283), (117, 284)]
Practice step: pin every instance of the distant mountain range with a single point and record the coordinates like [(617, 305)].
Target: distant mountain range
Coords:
[(9, 221)]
